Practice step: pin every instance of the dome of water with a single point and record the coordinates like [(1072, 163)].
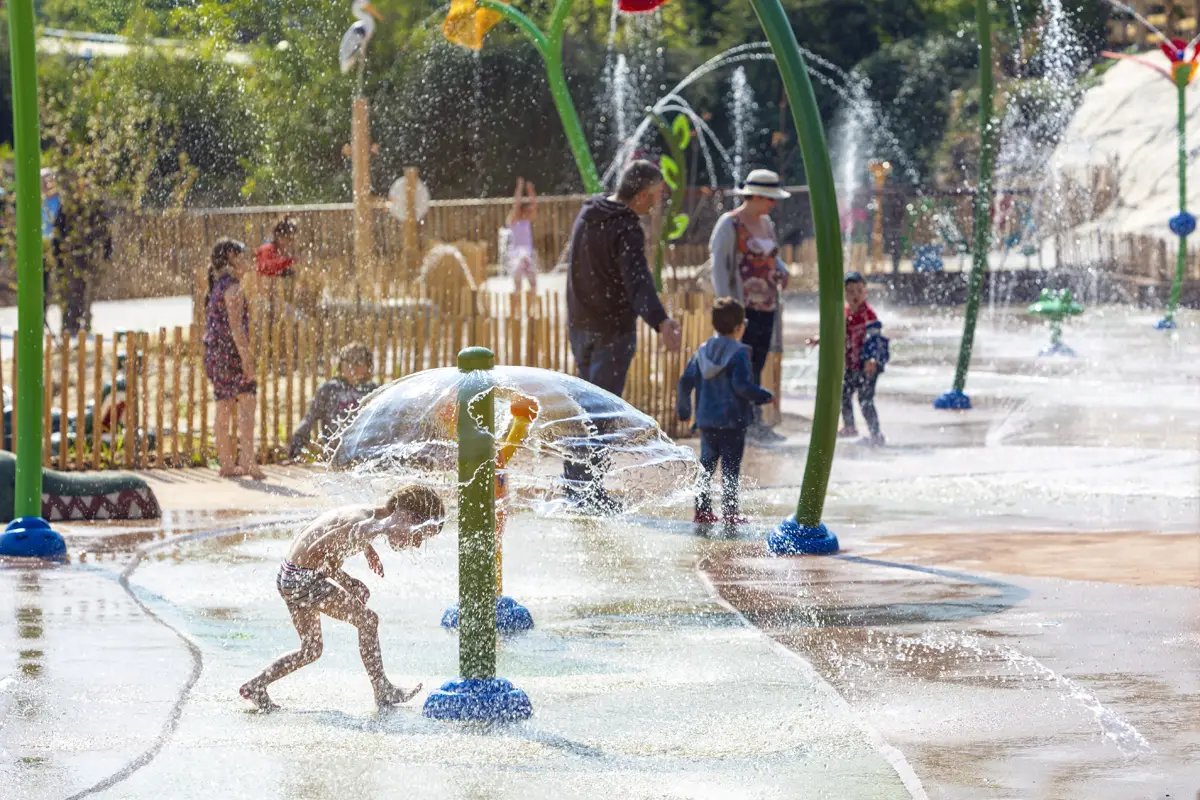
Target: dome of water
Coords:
[(407, 430)]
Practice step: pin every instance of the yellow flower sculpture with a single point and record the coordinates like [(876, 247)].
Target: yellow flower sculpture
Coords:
[(467, 23)]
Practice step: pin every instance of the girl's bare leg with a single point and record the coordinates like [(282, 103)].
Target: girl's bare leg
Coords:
[(225, 454), (247, 460), (345, 608), (308, 625)]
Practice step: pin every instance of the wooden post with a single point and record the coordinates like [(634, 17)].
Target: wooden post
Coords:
[(131, 397), (47, 399), (64, 385), (98, 400), (177, 394), (289, 344), (360, 163), (160, 398), (412, 246), (16, 378), (202, 445), (144, 400), (80, 411), (190, 446)]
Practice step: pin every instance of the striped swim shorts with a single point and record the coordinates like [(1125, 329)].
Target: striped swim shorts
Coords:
[(302, 586)]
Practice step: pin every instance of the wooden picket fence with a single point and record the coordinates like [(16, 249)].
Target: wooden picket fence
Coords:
[(142, 400)]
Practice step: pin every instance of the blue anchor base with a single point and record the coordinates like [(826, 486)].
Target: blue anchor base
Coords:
[(511, 616), (953, 400), (478, 700), (793, 539), (31, 537)]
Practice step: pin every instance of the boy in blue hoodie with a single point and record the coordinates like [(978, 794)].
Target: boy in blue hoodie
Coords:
[(726, 394)]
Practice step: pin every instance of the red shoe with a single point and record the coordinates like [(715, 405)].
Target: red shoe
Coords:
[(704, 518), (736, 519), (848, 432)]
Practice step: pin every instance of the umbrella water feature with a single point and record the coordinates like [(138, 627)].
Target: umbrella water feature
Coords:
[(406, 430)]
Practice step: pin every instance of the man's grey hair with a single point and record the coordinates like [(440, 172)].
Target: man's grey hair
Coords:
[(636, 178)]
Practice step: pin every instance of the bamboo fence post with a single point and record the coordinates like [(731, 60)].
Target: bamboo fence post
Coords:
[(303, 362), (192, 448), (263, 351), (177, 397), (47, 398), (115, 421), (278, 365), (144, 401), (80, 396), (160, 397), (288, 345), (98, 400), (16, 379), (202, 390), (131, 398), (64, 387)]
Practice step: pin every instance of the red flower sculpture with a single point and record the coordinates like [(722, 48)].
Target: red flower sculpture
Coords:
[(1183, 69), (639, 6)]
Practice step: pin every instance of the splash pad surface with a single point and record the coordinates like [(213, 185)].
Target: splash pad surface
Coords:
[(645, 684)]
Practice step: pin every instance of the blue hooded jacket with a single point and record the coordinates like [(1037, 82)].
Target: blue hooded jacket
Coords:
[(726, 393)]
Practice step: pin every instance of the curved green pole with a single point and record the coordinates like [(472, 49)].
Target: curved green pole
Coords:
[(983, 195), (551, 46), (1181, 76), (476, 515), (27, 141), (823, 200)]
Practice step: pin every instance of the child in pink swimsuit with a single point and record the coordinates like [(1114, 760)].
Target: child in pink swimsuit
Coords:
[(519, 257)]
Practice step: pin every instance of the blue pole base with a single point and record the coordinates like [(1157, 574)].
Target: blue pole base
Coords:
[(1165, 325), (478, 700), (31, 537), (793, 539), (511, 616), (955, 401), (1057, 349)]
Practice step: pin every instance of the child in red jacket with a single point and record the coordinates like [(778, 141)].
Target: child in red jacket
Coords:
[(274, 259)]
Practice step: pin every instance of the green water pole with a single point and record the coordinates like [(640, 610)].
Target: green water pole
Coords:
[(476, 515), (956, 398), (823, 201), (550, 46), (27, 158), (1181, 83)]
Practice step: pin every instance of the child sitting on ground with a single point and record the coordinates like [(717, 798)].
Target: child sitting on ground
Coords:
[(721, 375), (312, 583), (337, 395)]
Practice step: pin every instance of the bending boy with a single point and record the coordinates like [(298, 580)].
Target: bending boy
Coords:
[(312, 583)]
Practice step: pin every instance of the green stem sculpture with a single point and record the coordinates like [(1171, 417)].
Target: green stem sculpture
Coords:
[(804, 533), (476, 515), (1181, 78), (27, 157), (956, 398), (823, 200), (550, 46)]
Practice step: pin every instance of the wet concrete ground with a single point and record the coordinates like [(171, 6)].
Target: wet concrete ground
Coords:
[(1014, 615)]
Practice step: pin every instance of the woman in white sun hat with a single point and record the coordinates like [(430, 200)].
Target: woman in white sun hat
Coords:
[(746, 266)]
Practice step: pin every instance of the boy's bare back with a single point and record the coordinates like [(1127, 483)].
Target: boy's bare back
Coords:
[(330, 539)]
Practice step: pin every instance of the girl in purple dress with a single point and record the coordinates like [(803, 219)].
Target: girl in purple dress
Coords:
[(229, 357)]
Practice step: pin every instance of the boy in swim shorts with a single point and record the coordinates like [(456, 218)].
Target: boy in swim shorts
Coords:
[(312, 583)]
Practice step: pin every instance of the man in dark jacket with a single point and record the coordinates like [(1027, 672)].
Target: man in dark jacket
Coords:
[(609, 284), (608, 287)]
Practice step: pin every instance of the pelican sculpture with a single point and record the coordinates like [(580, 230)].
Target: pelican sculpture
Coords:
[(354, 43)]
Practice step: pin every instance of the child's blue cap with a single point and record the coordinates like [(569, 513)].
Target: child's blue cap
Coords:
[(854, 277)]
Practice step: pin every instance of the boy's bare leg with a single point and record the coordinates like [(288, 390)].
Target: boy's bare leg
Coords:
[(345, 608), (308, 625)]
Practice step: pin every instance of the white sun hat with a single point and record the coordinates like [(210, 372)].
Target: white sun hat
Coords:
[(763, 183)]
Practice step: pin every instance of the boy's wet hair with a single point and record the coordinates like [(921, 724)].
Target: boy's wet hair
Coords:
[(727, 315), (356, 354), (419, 501)]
